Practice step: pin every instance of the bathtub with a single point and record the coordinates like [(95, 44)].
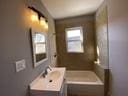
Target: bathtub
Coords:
[(84, 83)]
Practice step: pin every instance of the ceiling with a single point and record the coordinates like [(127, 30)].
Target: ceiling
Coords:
[(69, 8)]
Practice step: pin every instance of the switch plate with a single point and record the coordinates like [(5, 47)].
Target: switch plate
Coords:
[(20, 65)]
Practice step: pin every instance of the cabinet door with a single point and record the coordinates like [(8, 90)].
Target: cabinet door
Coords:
[(63, 91)]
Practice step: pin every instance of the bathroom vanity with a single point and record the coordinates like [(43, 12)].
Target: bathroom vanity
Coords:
[(53, 84)]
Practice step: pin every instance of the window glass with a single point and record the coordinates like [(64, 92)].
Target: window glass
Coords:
[(74, 40)]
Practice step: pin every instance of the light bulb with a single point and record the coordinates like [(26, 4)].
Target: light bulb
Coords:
[(34, 16), (42, 21)]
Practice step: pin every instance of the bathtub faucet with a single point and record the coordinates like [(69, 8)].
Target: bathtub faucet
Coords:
[(46, 71)]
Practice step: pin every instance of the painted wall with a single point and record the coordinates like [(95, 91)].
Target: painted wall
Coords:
[(15, 45), (73, 61), (118, 46)]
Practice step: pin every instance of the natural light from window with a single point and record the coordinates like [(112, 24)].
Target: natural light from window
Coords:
[(74, 38)]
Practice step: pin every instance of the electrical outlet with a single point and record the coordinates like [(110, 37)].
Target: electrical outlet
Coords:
[(20, 65)]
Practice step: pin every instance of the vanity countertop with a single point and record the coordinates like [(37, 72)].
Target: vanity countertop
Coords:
[(49, 83)]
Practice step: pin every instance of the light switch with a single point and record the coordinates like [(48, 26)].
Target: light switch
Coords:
[(20, 65)]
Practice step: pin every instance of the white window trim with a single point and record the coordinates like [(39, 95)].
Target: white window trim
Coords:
[(81, 31)]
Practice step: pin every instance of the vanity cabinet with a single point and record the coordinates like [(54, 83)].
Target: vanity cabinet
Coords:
[(53, 85), (63, 91)]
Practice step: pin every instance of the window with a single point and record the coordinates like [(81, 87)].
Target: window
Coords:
[(40, 43), (74, 40)]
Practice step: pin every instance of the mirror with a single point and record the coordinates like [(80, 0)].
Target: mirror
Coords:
[(39, 47)]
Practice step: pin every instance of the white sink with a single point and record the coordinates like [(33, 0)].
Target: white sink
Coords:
[(54, 75), (52, 82)]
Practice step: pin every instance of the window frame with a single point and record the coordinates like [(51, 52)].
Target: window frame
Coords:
[(82, 40)]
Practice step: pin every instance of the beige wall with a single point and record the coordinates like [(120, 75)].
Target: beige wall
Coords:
[(102, 39), (15, 45), (102, 42), (102, 34), (76, 61)]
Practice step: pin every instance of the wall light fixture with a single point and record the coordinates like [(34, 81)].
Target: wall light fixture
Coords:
[(37, 16)]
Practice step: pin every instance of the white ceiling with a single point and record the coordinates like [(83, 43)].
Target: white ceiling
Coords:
[(68, 8)]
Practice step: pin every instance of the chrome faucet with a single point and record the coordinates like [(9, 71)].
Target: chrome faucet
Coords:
[(46, 71)]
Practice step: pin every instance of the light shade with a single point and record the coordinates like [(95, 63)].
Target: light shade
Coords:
[(42, 21), (34, 16), (46, 26)]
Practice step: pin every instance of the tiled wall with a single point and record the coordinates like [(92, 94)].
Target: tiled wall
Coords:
[(102, 42), (76, 61), (102, 34)]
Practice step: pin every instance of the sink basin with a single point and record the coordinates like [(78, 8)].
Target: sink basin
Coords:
[(52, 82), (54, 75)]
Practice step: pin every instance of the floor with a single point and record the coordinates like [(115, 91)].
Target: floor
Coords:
[(76, 95)]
